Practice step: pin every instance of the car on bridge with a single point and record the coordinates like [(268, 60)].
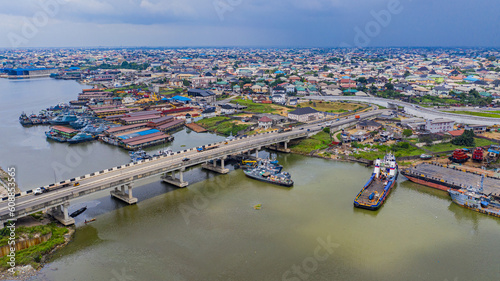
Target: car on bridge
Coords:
[(185, 159)]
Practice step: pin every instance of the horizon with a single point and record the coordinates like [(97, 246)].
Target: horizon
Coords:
[(246, 23)]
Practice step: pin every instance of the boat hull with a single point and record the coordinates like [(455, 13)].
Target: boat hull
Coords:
[(382, 200), (269, 181), (428, 182), (463, 200)]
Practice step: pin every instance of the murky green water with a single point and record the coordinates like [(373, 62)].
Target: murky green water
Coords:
[(210, 231)]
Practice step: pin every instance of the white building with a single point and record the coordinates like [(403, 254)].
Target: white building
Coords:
[(439, 125), (304, 114)]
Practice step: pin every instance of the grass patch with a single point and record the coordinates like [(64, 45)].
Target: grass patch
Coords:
[(333, 107), (319, 141), (440, 147), (222, 125), (33, 254), (401, 149), (492, 114), (260, 107)]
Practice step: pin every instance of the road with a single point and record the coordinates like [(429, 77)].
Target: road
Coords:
[(128, 173), (416, 110)]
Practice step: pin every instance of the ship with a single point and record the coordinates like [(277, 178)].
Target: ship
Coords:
[(25, 120), (63, 119), (377, 189), (477, 155), (81, 137), (270, 173), (55, 136), (459, 156), (476, 200), (78, 212)]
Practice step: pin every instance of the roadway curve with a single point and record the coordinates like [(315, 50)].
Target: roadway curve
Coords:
[(427, 113), (109, 178)]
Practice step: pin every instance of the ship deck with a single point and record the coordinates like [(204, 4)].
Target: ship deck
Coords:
[(376, 185), (456, 177)]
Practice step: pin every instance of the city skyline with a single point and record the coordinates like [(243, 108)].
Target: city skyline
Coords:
[(240, 23)]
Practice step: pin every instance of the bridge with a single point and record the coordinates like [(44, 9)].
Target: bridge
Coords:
[(121, 179), (428, 113)]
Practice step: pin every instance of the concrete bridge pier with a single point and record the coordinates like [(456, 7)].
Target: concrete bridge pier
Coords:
[(173, 180), (281, 147), (122, 195), (213, 167), (60, 213)]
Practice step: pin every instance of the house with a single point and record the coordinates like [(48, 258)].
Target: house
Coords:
[(368, 125), (265, 122), (439, 125), (279, 98), (227, 109), (478, 129), (304, 114), (208, 112), (293, 101), (278, 90), (290, 88), (347, 83), (202, 96)]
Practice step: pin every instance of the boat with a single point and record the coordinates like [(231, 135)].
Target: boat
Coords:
[(25, 120), (231, 137), (55, 136), (474, 199), (81, 137), (459, 156), (270, 173), (425, 156), (138, 155), (78, 212), (478, 154), (257, 207), (374, 193), (63, 119), (91, 220)]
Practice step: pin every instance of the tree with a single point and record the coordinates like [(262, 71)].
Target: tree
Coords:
[(186, 83), (407, 133), (326, 130), (466, 139), (362, 80), (389, 86), (407, 73)]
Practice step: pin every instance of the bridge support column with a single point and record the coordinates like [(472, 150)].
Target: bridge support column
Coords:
[(171, 179), (60, 213), (218, 169), (122, 195)]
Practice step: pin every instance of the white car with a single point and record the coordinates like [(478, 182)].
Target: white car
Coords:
[(38, 191)]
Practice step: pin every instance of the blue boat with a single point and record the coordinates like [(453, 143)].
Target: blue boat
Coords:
[(63, 119), (55, 136), (380, 184), (81, 137)]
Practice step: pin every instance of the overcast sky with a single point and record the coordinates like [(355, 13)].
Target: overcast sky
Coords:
[(283, 23)]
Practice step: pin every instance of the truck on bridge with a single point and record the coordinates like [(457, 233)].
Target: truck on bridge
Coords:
[(41, 190), (206, 147)]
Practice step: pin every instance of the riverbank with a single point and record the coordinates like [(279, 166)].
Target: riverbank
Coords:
[(37, 237)]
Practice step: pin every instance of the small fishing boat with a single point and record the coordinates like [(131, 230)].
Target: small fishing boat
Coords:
[(78, 212), (91, 220)]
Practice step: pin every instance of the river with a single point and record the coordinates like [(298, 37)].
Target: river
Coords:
[(210, 230)]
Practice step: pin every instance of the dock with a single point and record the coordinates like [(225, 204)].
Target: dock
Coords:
[(195, 127), (444, 177)]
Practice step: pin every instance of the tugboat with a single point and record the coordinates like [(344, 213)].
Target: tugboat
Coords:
[(81, 137), (380, 184), (477, 155), (459, 156), (55, 136), (25, 120), (78, 212), (63, 119), (270, 173)]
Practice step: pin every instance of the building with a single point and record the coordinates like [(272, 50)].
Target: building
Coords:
[(478, 129), (209, 112), (265, 122), (227, 109), (279, 98), (439, 125), (202, 96), (29, 72), (368, 125), (304, 114)]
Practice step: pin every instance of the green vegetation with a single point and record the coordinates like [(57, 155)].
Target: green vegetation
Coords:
[(33, 254), (333, 107), (259, 107), (494, 114), (401, 149), (407, 132), (466, 139), (222, 125), (319, 141), (449, 146), (124, 65)]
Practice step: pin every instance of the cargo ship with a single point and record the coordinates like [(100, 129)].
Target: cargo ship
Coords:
[(380, 184), (270, 173), (63, 119)]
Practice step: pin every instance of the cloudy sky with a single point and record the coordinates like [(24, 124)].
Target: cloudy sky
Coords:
[(281, 23)]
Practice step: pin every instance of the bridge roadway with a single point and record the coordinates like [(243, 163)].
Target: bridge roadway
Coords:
[(428, 113), (126, 174)]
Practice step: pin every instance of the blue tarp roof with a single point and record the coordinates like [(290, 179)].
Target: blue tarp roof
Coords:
[(494, 151), (181, 98)]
